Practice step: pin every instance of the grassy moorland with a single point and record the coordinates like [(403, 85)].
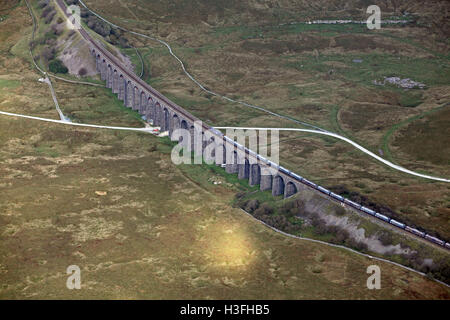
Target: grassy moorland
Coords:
[(98, 199), (322, 74)]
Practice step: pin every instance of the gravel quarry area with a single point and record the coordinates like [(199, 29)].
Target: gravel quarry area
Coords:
[(73, 55), (351, 222), (76, 56), (359, 234)]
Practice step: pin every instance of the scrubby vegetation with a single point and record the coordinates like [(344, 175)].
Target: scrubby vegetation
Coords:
[(112, 35), (48, 12), (57, 66), (292, 217), (46, 41), (210, 251)]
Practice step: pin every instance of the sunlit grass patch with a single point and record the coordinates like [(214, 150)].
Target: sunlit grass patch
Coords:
[(9, 84)]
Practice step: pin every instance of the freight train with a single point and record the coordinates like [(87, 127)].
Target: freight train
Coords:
[(338, 197)]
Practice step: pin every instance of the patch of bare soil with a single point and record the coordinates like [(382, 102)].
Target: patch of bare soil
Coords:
[(126, 61), (75, 55)]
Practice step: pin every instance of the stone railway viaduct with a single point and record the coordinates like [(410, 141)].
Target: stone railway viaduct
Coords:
[(141, 97), (201, 139)]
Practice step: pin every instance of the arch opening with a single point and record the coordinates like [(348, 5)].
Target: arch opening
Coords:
[(255, 174), (291, 189), (278, 186)]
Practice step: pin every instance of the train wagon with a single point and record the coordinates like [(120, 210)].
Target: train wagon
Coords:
[(353, 204), (309, 183), (336, 196), (296, 176), (435, 240), (397, 224), (415, 231), (367, 210), (323, 190), (382, 217)]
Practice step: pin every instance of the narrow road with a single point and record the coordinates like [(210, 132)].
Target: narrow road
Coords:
[(55, 100), (147, 129), (334, 135)]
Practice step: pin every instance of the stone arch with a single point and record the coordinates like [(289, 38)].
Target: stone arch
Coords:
[(203, 141), (278, 186), (129, 94), (244, 169), (150, 111), (184, 126), (109, 76), (158, 114), (290, 189), (232, 163), (143, 103), (98, 63), (136, 98), (122, 88), (115, 83), (210, 149), (220, 153), (165, 120), (175, 123), (255, 174), (103, 68)]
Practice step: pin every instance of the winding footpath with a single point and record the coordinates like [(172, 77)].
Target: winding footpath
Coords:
[(146, 129)]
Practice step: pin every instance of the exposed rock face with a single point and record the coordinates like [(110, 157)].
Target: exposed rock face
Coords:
[(75, 56), (401, 83)]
